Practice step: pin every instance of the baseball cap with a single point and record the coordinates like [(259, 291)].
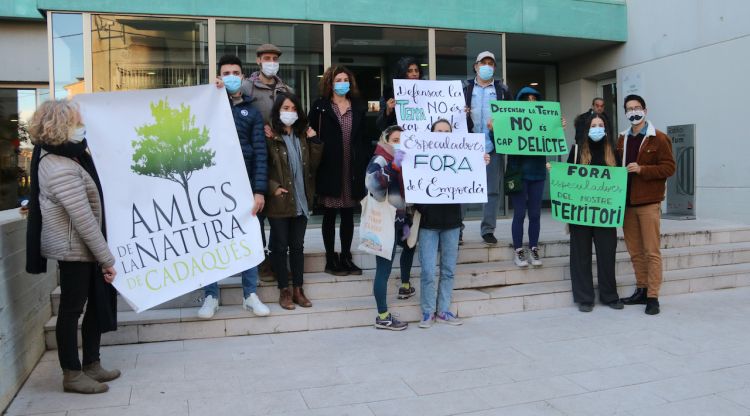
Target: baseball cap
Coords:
[(485, 54)]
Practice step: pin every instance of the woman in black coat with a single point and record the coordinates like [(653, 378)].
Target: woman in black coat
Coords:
[(339, 118)]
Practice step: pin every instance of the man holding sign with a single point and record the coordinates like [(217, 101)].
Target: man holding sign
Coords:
[(527, 130), (588, 193)]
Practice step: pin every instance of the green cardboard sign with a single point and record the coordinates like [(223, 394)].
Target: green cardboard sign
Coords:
[(588, 195), (528, 128)]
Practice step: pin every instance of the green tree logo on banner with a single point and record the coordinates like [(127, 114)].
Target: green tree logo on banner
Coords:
[(172, 148)]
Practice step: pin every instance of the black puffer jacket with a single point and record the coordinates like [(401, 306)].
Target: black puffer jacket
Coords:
[(323, 120), (249, 124)]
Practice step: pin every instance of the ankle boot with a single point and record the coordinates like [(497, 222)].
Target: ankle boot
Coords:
[(637, 298), (333, 265), (78, 382), (348, 265), (285, 299), (95, 371), (298, 297), (652, 306)]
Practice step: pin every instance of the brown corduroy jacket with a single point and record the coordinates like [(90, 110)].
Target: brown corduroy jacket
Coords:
[(657, 164)]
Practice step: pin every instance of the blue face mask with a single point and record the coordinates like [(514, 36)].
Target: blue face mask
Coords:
[(396, 147), (486, 72), (341, 88), (596, 133), (232, 83)]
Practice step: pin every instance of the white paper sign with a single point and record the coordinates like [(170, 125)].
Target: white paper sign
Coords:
[(444, 168), (176, 191), (421, 103)]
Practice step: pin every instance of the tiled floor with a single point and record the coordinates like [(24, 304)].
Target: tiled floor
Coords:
[(693, 359)]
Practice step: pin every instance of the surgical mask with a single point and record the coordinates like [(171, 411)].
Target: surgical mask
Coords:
[(232, 83), (596, 133), (341, 88), (78, 134), (396, 147), (269, 68), (486, 72), (288, 117), (635, 117)]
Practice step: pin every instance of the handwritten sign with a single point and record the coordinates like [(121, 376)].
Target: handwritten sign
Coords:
[(528, 128), (588, 195), (421, 103), (444, 168)]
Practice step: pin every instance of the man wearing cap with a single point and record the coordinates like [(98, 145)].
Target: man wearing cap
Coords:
[(479, 92), (263, 86)]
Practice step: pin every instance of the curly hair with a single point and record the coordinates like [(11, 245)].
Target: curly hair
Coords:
[(53, 122), (326, 83)]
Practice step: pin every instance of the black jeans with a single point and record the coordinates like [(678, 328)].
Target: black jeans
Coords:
[(346, 229), (288, 234), (76, 285), (605, 240)]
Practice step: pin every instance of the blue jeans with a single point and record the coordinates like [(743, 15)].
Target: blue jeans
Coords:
[(529, 199), (494, 179), (383, 269), (429, 241), (249, 284)]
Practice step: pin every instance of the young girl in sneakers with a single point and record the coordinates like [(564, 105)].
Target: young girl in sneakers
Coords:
[(384, 180)]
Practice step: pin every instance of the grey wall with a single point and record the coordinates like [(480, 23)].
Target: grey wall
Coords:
[(692, 58), (24, 307), (23, 48)]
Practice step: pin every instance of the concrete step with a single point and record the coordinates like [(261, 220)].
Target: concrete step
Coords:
[(183, 323), (319, 286)]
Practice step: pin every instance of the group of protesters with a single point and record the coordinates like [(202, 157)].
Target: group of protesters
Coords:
[(299, 160)]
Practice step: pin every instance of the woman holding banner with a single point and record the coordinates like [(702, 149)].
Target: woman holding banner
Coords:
[(439, 228), (339, 118), (66, 223), (383, 181), (406, 68), (293, 157), (596, 149), (529, 198)]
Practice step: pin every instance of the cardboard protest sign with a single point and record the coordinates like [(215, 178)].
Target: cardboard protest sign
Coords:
[(419, 104), (588, 195), (176, 191), (528, 128), (444, 168)]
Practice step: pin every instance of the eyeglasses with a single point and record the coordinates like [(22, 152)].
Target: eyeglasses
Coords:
[(629, 109)]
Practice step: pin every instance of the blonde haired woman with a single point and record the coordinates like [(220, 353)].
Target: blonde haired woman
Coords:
[(66, 223)]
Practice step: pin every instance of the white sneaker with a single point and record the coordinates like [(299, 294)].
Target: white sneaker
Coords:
[(520, 258), (253, 303), (209, 308), (536, 259)]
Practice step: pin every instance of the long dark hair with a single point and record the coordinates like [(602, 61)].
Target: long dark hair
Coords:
[(299, 126), (609, 154), (402, 67)]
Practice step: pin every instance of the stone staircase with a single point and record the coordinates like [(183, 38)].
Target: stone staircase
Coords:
[(696, 257)]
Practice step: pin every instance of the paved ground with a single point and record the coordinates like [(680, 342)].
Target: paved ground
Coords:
[(693, 359)]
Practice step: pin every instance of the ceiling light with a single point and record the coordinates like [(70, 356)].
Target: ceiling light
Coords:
[(424, 65), (534, 84)]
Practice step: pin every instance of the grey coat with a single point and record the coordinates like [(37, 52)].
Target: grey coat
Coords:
[(71, 213)]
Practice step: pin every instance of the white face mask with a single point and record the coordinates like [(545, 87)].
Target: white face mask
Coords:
[(269, 68), (635, 117), (78, 134), (288, 117)]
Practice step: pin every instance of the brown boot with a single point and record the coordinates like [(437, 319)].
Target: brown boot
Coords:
[(298, 297), (95, 371), (78, 382), (285, 299), (264, 271)]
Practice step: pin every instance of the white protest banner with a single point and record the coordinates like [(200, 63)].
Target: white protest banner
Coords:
[(444, 168), (176, 192), (421, 103)]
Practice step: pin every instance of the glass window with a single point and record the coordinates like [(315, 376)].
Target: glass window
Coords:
[(456, 52), (67, 51), (371, 53), (301, 60), (542, 77), (133, 53), (16, 109)]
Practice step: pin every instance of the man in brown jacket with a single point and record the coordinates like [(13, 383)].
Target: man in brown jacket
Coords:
[(647, 154)]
